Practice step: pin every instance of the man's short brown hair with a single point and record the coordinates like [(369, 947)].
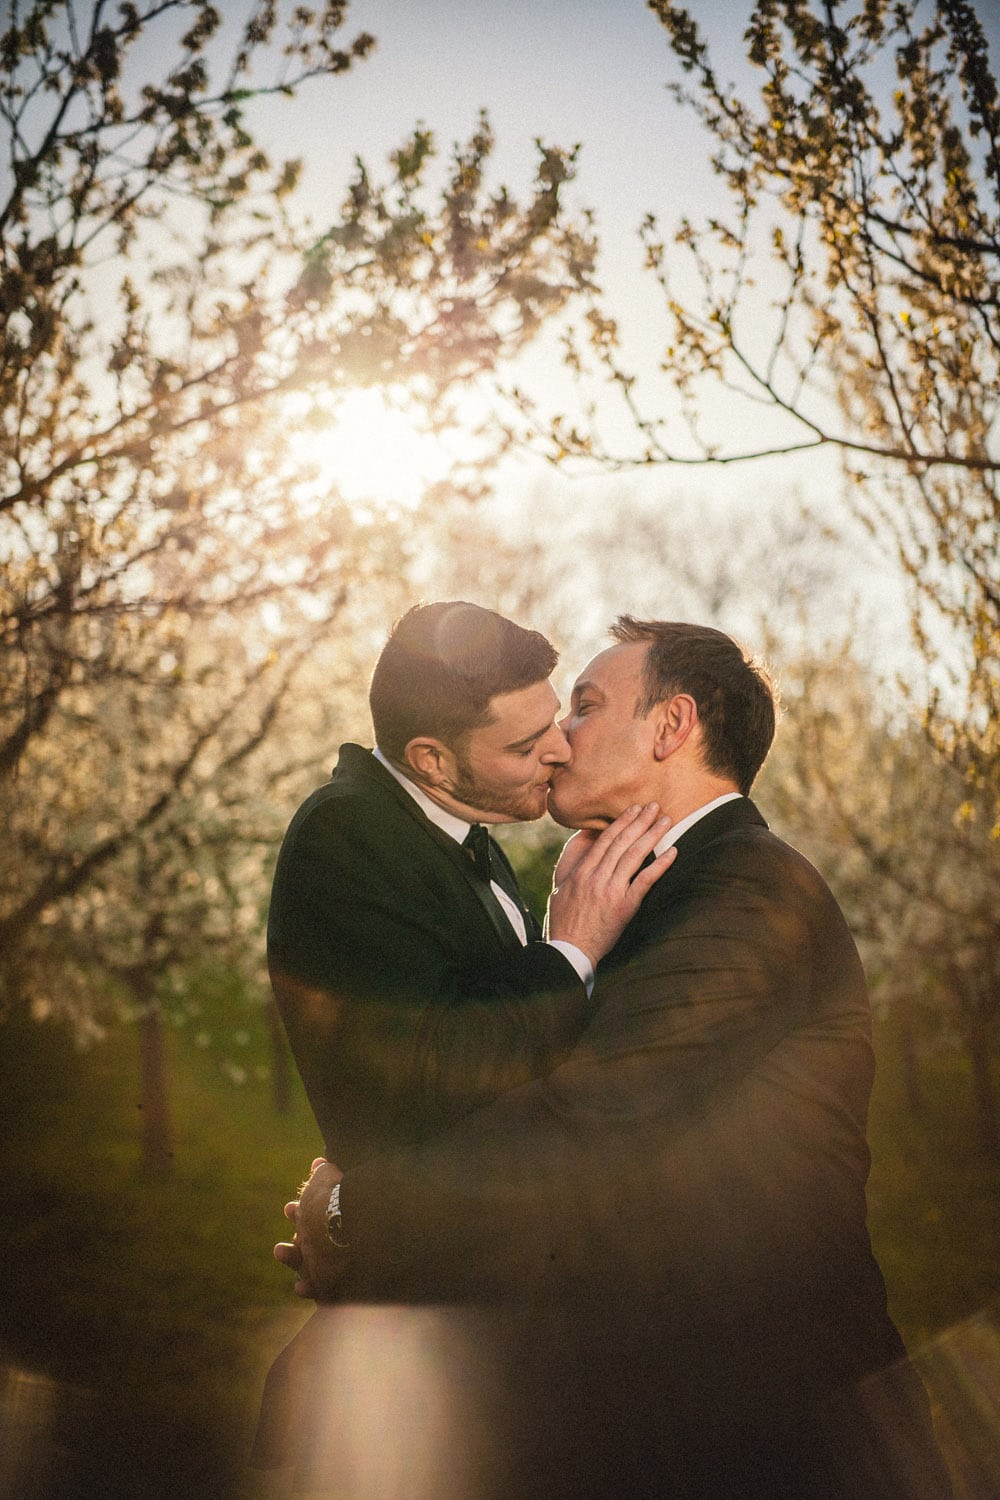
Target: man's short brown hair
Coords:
[(734, 693), (441, 666)]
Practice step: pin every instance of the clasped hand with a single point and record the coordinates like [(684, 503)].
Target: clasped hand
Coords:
[(320, 1266)]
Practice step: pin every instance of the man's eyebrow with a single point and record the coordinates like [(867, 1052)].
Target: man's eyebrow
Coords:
[(585, 686), (529, 739)]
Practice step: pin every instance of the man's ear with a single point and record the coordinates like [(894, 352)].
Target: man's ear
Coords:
[(677, 719), (430, 760)]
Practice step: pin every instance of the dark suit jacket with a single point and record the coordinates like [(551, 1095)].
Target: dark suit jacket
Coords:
[(690, 1184), (408, 1000), (405, 993)]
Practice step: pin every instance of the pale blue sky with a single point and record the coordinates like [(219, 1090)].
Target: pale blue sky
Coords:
[(587, 71), (592, 72), (569, 71)]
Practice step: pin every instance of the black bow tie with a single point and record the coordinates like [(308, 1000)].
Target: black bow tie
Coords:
[(477, 843)]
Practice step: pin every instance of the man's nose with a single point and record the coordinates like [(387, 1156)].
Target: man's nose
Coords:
[(556, 746)]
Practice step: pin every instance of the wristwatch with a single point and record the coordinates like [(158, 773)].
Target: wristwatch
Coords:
[(335, 1221)]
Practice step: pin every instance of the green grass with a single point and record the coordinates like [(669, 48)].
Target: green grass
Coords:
[(156, 1307)]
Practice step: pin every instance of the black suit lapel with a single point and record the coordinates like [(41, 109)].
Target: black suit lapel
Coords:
[(728, 818), (725, 819), (356, 762), (480, 888), (503, 874)]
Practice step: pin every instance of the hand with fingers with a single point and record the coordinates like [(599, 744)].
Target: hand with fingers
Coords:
[(319, 1262), (599, 883)]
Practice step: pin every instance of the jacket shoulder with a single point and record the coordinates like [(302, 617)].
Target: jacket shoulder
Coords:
[(738, 861), (354, 798), (757, 848)]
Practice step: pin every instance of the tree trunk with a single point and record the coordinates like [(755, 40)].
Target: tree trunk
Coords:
[(984, 1089), (281, 1080), (912, 1081), (157, 1133)]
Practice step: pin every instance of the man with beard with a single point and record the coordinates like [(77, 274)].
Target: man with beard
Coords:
[(412, 980), (677, 1212)]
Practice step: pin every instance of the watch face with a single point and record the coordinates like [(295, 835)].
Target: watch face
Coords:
[(335, 1230)]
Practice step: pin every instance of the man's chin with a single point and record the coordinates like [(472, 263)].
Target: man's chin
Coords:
[(572, 817), (530, 809)]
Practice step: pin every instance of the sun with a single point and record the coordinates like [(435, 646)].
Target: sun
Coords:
[(372, 450)]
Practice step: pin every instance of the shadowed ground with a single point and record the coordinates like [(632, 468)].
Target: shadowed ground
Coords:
[(138, 1317)]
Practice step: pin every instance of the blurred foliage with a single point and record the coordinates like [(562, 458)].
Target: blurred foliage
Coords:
[(188, 604), (909, 850), (186, 598), (843, 297)]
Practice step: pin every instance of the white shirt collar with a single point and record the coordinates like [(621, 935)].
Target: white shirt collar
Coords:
[(675, 831), (456, 828)]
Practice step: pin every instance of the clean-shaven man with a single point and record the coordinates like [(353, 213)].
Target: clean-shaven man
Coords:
[(687, 1190)]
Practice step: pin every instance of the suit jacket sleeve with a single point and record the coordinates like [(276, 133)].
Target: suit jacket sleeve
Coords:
[(712, 1115), (403, 1007)]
